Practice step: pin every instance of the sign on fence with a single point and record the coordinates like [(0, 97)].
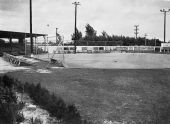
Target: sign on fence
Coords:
[(165, 44)]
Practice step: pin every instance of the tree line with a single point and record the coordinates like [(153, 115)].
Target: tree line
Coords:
[(91, 38)]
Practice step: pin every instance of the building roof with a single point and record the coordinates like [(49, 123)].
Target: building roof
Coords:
[(17, 35)]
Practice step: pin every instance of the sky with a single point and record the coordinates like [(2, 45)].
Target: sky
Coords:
[(116, 17)]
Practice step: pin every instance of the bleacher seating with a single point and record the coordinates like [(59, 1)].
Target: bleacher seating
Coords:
[(14, 60)]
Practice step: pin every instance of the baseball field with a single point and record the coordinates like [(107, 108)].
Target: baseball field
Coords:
[(126, 88)]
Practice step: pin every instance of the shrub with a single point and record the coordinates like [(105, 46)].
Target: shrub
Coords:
[(7, 82), (8, 101), (41, 96), (55, 105), (72, 116), (19, 117)]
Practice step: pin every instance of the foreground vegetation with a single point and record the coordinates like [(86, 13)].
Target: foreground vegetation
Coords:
[(9, 108), (68, 114)]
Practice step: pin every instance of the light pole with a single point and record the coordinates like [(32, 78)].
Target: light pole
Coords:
[(136, 31), (164, 11), (145, 38), (75, 28), (57, 37)]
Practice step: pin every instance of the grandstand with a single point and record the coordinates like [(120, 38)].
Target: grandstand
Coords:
[(18, 47)]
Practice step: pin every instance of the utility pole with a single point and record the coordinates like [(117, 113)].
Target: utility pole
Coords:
[(57, 36), (75, 28), (164, 11), (155, 41), (145, 38), (31, 39), (136, 31)]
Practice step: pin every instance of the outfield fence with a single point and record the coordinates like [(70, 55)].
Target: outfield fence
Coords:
[(98, 49)]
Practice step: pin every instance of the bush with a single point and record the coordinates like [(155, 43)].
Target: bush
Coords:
[(7, 82), (41, 96), (72, 116), (55, 105), (19, 117), (8, 102)]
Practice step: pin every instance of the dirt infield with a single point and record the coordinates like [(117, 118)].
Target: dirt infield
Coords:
[(113, 60)]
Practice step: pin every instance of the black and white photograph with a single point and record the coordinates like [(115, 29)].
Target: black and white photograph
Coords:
[(84, 61)]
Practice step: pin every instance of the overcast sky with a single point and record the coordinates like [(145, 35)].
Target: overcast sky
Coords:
[(116, 17)]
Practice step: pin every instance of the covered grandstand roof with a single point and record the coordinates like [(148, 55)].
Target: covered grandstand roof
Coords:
[(12, 34)]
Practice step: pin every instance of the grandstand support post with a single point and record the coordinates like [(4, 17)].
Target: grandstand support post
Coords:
[(10, 41), (48, 48), (63, 48), (36, 45), (25, 41), (45, 44)]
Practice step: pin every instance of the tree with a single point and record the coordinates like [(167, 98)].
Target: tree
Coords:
[(104, 34), (2, 41), (90, 32), (78, 35), (103, 37), (111, 40), (58, 39)]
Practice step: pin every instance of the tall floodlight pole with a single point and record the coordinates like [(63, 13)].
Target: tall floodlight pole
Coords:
[(75, 28), (164, 11), (31, 38)]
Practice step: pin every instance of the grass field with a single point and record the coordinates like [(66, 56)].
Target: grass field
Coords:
[(129, 95)]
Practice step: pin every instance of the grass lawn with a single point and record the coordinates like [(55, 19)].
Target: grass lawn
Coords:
[(141, 96)]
